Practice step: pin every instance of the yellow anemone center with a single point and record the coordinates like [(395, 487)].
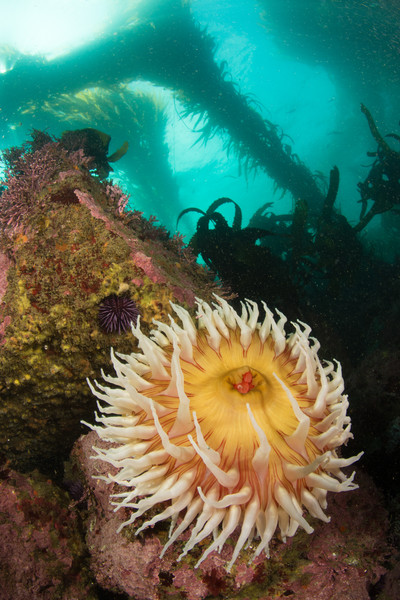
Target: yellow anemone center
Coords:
[(212, 383)]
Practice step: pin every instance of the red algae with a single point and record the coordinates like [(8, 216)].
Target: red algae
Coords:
[(342, 559), (40, 543)]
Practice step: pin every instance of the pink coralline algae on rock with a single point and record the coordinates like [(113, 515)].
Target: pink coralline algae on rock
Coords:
[(145, 263), (342, 559), (40, 545), (347, 556)]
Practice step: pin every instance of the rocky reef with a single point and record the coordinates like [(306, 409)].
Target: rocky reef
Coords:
[(343, 559), (65, 545), (42, 553), (66, 244)]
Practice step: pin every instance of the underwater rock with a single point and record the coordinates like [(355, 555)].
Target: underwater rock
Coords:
[(41, 551), (5, 264), (348, 555), (67, 243)]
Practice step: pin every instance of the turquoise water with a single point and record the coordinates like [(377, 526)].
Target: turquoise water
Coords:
[(305, 67)]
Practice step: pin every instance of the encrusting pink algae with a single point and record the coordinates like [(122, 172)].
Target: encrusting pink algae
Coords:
[(342, 559)]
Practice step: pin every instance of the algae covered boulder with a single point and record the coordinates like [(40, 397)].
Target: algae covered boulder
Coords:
[(42, 553), (345, 558), (67, 244)]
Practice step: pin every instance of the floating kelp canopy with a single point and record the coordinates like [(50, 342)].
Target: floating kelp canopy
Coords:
[(168, 49)]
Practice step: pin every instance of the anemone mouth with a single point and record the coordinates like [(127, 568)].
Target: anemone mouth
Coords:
[(230, 420)]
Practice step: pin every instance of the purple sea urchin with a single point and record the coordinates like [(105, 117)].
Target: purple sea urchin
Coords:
[(116, 313)]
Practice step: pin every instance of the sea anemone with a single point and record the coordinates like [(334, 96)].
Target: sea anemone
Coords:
[(229, 421), (116, 313)]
